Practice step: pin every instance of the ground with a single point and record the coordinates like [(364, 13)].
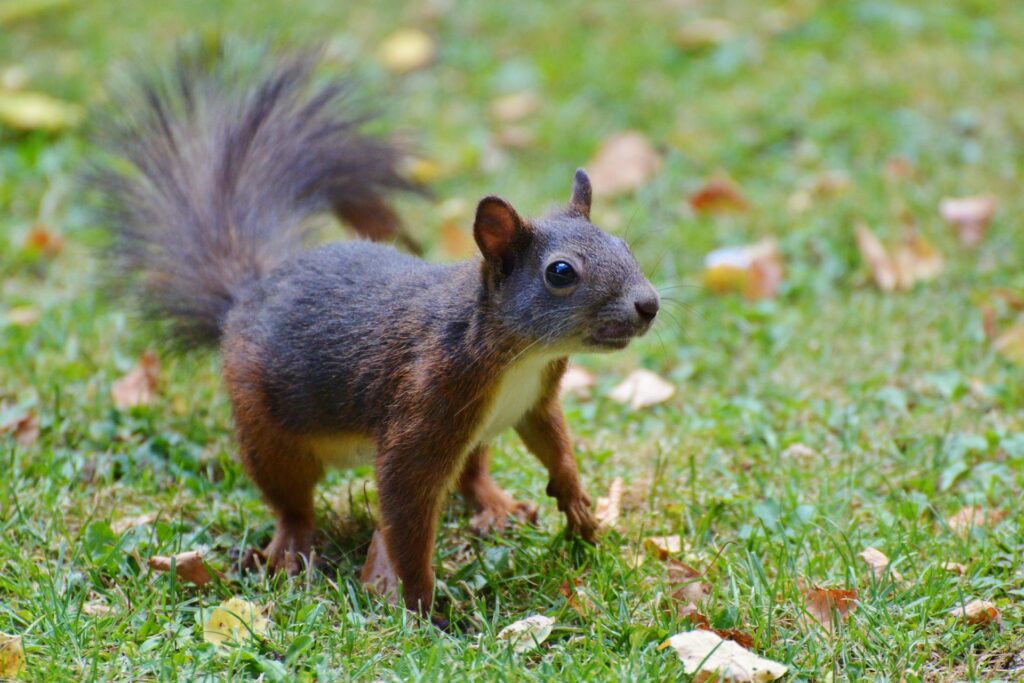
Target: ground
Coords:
[(904, 411)]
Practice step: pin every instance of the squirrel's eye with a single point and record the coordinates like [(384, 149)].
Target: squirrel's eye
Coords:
[(560, 274)]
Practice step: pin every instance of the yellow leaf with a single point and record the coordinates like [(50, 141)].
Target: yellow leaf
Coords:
[(663, 546), (527, 633), (234, 621), (407, 50), (36, 111), (754, 270), (12, 656), (713, 659)]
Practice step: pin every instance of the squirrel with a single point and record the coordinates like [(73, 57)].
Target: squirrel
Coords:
[(354, 352)]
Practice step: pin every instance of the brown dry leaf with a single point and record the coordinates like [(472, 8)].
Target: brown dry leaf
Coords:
[(720, 194), (578, 381), (1010, 344), (624, 162), (575, 596), (642, 388), (407, 50), (686, 583), (978, 613), (608, 508), (954, 568), (378, 575), (23, 110), (711, 658), (42, 240), (878, 562), (188, 566), (515, 106), (911, 261), (971, 516), (22, 316), (754, 270), (234, 621), (829, 607), (12, 656), (139, 386), (664, 546), (24, 429), (701, 34), (969, 216)]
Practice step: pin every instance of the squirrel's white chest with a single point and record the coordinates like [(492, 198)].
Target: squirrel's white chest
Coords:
[(519, 389)]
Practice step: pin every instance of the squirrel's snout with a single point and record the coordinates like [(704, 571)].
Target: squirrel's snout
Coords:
[(647, 307)]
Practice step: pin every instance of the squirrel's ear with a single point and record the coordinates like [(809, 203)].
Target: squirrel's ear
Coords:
[(498, 230), (581, 194)]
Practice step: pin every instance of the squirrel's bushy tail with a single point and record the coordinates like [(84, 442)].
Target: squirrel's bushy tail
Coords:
[(214, 170)]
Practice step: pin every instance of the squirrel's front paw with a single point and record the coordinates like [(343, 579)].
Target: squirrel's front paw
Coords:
[(579, 517)]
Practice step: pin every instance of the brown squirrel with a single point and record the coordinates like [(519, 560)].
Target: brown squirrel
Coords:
[(353, 352)]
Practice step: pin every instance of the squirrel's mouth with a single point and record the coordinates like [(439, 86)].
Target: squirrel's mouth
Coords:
[(615, 336)]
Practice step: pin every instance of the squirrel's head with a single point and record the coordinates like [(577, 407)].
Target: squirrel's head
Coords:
[(562, 281)]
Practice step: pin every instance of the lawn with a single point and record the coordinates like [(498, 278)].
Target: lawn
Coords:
[(806, 427)]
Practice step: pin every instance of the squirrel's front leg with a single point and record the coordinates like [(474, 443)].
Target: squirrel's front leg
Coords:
[(545, 433), (411, 488)]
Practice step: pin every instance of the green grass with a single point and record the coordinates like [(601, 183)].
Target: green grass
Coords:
[(909, 412)]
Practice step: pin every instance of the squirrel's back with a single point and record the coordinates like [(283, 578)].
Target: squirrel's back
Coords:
[(218, 166)]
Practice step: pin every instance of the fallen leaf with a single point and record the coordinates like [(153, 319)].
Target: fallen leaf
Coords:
[(515, 106), (233, 622), (527, 633), (754, 270), (378, 575), (1010, 344), (711, 658), (578, 381), (420, 170), (23, 110), (123, 524), (799, 451), (139, 386), (830, 607), (686, 583), (911, 261), (663, 546), (971, 516), (718, 195), (22, 316), (701, 34), (42, 240), (978, 613), (642, 388), (954, 568), (879, 563), (607, 510), (188, 566), (12, 656), (24, 428), (698, 620), (623, 163), (407, 50), (969, 216), (576, 598), (96, 607)]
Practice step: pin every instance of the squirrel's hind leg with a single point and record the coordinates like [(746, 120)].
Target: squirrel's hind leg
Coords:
[(491, 506), (286, 471)]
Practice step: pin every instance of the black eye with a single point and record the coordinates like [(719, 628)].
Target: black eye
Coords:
[(560, 274)]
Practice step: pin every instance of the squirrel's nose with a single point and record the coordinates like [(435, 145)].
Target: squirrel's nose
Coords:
[(648, 307)]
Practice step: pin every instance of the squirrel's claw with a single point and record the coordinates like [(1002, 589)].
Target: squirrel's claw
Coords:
[(580, 519), (496, 516)]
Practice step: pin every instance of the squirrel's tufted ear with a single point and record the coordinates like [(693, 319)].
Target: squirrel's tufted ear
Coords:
[(498, 231), (581, 194)]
